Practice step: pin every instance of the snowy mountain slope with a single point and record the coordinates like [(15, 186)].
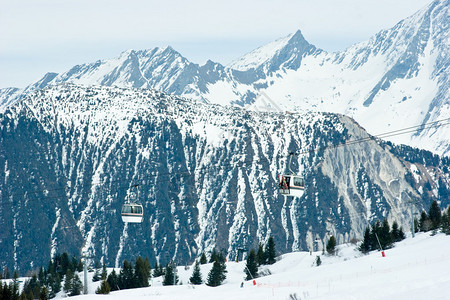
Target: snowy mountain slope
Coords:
[(415, 269), (207, 175), (399, 78), (259, 56), (159, 68), (286, 53), (8, 96)]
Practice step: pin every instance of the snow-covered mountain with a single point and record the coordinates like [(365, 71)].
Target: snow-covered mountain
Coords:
[(397, 79), (159, 68), (208, 176)]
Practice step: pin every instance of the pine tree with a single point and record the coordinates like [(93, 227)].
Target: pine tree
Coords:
[(96, 276), (161, 270), (104, 274), (445, 222), (416, 225), (331, 245), (127, 279), (158, 270), (43, 295), (220, 257), (4, 291), (251, 267), (74, 265), (53, 283), (424, 222), (213, 256), (318, 260), (203, 259), (365, 245), (142, 272), (169, 275), (104, 288), (24, 296), (260, 255), (64, 263), (402, 235), (15, 285), (396, 233), (77, 286), (80, 265), (270, 251), (376, 230), (217, 274), (155, 270), (14, 291), (385, 235), (196, 277), (113, 280), (68, 281), (435, 215), (32, 286), (41, 275)]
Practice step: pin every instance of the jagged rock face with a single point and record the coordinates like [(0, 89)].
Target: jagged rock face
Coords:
[(207, 174)]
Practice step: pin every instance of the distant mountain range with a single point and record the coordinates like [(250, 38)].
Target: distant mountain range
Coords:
[(397, 79)]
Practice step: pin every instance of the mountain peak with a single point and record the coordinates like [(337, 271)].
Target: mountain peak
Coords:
[(286, 51), (260, 55), (297, 36)]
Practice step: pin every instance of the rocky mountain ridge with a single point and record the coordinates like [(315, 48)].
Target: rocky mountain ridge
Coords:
[(396, 79), (207, 177)]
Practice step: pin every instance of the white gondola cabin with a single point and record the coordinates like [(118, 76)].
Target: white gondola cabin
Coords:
[(291, 185), (132, 213)]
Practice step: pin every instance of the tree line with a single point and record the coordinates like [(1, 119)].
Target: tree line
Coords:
[(381, 234), (48, 281), (434, 220), (263, 256), (130, 276), (62, 270), (216, 275)]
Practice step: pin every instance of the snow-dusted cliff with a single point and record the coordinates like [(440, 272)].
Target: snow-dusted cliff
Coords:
[(207, 173)]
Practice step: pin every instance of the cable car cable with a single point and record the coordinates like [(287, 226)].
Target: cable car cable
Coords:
[(434, 124)]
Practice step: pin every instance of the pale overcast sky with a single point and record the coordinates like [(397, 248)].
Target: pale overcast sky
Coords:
[(39, 36)]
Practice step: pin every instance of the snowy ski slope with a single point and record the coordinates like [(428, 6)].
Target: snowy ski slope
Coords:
[(415, 269)]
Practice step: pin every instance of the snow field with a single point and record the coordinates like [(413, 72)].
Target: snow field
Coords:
[(415, 269)]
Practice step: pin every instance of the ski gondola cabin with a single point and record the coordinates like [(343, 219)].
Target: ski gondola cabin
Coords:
[(291, 185), (132, 213)]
